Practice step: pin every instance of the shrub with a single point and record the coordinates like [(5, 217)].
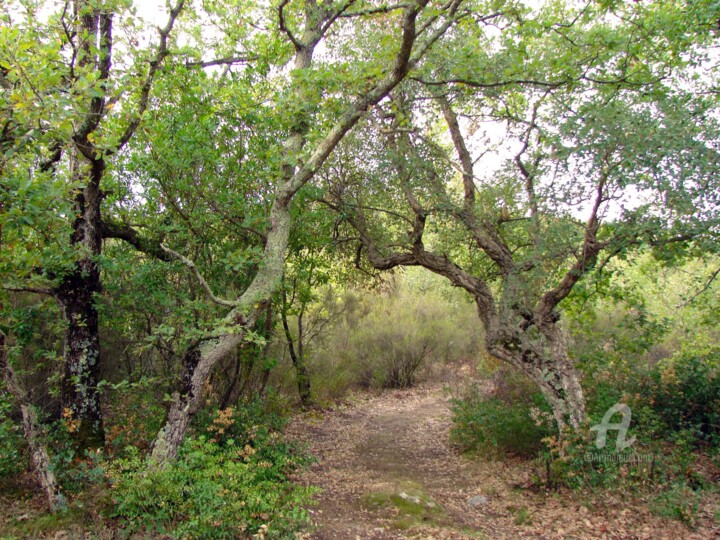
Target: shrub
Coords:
[(384, 338), (685, 394), (401, 332), (678, 502), (212, 491), (575, 462), (513, 419)]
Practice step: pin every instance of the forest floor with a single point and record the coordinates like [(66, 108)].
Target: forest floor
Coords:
[(386, 470)]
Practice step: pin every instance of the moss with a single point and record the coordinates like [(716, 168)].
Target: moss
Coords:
[(412, 506)]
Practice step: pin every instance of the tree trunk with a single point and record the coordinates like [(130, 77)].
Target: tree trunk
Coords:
[(77, 294), (200, 360), (559, 382), (33, 435), (198, 363), (302, 378), (546, 362)]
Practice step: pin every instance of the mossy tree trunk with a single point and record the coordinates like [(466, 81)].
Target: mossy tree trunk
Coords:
[(33, 433), (77, 293)]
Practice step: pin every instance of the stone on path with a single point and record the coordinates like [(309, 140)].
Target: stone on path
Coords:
[(478, 500)]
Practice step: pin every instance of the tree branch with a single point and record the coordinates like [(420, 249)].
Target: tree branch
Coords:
[(35, 290), (374, 11), (585, 262), (155, 63), (222, 61), (204, 284), (122, 231), (283, 27)]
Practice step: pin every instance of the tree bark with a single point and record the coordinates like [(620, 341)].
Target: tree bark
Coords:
[(77, 293), (540, 352), (78, 289), (547, 363), (33, 435)]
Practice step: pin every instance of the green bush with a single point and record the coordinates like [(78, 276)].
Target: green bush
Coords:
[(412, 325), (685, 395), (574, 461), (514, 419), (251, 422), (212, 491), (402, 332)]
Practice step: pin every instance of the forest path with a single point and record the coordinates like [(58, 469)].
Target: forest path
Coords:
[(387, 471)]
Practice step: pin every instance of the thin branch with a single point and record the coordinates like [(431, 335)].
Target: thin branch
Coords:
[(56, 153), (487, 239), (705, 287), (585, 262), (375, 11), (283, 27), (155, 63), (204, 284), (334, 16), (230, 60), (35, 290), (527, 173), (496, 84)]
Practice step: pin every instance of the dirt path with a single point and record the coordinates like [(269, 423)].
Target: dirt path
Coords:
[(387, 471)]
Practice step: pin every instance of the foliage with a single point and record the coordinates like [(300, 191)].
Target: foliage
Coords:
[(76, 469), (388, 338), (253, 422), (574, 461), (12, 447), (678, 502), (136, 415), (212, 491), (685, 394), (512, 420), (585, 143)]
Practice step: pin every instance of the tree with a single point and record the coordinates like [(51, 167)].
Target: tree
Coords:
[(609, 139), (66, 113), (315, 124)]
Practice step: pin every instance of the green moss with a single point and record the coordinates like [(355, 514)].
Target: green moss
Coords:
[(413, 506)]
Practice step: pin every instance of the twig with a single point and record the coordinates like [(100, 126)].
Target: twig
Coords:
[(36, 290)]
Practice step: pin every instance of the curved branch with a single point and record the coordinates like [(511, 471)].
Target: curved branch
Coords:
[(204, 284), (122, 231), (283, 27)]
